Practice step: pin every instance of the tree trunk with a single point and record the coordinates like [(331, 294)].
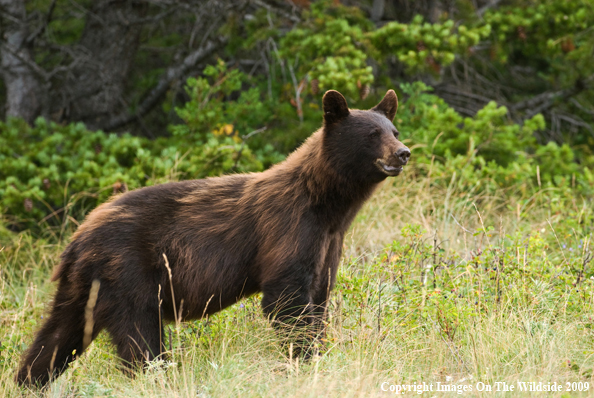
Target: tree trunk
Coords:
[(94, 90), (23, 89), (434, 10), (377, 10)]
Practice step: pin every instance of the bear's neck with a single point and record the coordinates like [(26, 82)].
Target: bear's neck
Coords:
[(329, 192)]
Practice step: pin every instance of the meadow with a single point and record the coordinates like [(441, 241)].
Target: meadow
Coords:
[(438, 283), (473, 269)]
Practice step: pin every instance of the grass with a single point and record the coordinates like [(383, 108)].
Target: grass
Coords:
[(437, 284)]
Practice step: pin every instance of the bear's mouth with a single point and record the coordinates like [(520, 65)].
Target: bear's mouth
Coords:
[(389, 170)]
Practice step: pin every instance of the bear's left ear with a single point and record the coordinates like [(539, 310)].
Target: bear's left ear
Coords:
[(388, 105), (335, 107)]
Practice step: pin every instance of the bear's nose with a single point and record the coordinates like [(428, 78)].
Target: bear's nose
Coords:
[(403, 154)]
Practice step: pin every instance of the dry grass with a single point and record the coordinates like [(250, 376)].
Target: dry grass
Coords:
[(236, 353)]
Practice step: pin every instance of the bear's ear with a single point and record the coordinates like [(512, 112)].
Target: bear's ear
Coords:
[(388, 105), (335, 107)]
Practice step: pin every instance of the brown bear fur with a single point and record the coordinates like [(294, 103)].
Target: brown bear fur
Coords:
[(279, 232)]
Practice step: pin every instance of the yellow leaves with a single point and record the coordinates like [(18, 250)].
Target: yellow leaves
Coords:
[(227, 130)]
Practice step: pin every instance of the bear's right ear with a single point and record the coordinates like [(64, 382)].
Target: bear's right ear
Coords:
[(335, 107)]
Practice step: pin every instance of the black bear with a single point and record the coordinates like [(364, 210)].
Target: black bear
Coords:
[(188, 249)]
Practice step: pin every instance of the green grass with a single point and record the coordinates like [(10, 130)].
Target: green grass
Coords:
[(436, 285)]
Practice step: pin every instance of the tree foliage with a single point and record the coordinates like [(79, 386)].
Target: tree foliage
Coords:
[(499, 93)]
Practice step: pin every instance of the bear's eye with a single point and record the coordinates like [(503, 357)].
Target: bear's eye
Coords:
[(396, 133), (375, 133)]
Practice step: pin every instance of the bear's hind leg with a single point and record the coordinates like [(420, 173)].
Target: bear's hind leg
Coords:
[(59, 342), (137, 335)]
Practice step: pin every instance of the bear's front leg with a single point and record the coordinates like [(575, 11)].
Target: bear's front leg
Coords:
[(288, 304), (324, 284)]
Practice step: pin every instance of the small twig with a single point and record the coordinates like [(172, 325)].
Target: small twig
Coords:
[(53, 361), (581, 107), (483, 9), (573, 120), (152, 20), (42, 28), (89, 322), (173, 73), (206, 306), (160, 320), (298, 88), (251, 134), (244, 139), (464, 229), (36, 69), (172, 293), (448, 344), (379, 306), (551, 97), (276, 10), (588, 256), (560, 247)]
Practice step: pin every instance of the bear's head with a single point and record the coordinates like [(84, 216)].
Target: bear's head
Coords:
[(363, 145)]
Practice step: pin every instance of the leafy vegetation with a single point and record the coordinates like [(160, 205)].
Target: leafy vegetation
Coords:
[(51, 172), (58, 171), (233, 121), (431, 288), (474, 265)]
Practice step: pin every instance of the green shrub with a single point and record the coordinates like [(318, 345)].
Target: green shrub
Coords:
[(426, 47), (50, 172), (486, 151)]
